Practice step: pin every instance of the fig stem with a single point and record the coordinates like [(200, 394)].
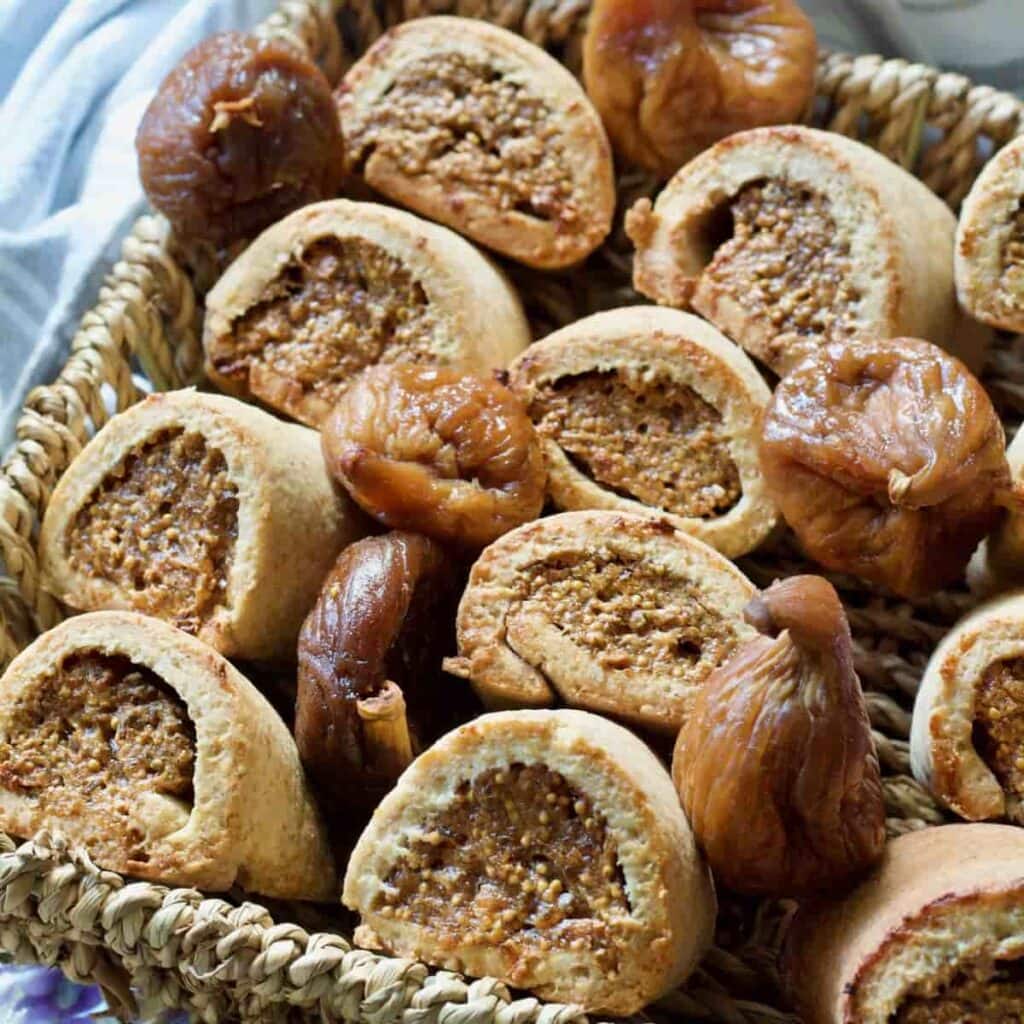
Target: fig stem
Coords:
[(386, 730)]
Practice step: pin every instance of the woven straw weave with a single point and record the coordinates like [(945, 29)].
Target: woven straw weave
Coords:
[(226, 961)]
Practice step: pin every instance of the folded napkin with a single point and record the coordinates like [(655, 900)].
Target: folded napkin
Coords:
[(75, 79)]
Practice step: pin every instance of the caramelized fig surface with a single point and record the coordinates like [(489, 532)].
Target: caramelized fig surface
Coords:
[(240, 133), (775, 765), (672, 77), (888, 460), (370, 652), (447, 454)]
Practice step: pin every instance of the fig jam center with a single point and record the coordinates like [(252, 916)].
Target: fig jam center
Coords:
[(629, 615), (999, 723), (649, 440), (519, 853), (468, 125), (1013, 256), (162, 527), (990, 995), (786, 262), (342, 306), (86, 742)]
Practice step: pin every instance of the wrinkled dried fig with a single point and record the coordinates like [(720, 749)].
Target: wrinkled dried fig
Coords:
[(672, 77), (240, 133), (369, 660), (887, 459), (428, 449), (775, 765)]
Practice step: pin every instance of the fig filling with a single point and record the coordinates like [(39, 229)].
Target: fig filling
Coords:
[(647, 439), (92, 740), (343, 305), (991, 993), (162, 527), (628, 615), (519, 855), (1013, 256), (785, 262), (999, 724), (462, 122)]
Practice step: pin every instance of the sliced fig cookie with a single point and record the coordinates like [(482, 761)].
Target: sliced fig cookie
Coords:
[(203, 511), (475, 127), (544, 848), (787, 238), (647, 409), (615, 612), (340, 286), (141, 743)]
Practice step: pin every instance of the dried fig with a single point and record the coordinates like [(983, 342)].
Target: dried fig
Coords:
[(887, 459), (240, 133), (429, 449), (672, 77), (369, 659), (775, 765)]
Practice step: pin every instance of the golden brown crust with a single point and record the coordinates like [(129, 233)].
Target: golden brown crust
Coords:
[(676, 356), (252, 821), (895, 235), (943, 899), (990, 242), (999, 561), (951, 705), (611, 611), (446, 304), (445, 175), (291, 521), (671, 901)]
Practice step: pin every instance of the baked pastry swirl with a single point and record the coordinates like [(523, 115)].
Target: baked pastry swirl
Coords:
[(474, 126), (147, 747), (338, 286), (610, 611), (967, 741), (644, 408), (786, 238), (935, 935), (990, 242), (544, 848), (203, 511)]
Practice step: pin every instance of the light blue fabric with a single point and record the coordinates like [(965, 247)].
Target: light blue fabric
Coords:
[(75, 78)]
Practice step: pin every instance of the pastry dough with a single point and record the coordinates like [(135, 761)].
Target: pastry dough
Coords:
[(544, 848), (967, 739), (147, 747), (338, 286), (787, 237), (999, 561), (610, 611), (990, 242), (476, 127), (201, 510), (936, 934), (644, 407)]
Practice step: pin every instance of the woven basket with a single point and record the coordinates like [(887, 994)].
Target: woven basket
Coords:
[(230, 961)]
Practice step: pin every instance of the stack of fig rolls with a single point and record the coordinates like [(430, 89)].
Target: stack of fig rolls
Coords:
[(418, 610)]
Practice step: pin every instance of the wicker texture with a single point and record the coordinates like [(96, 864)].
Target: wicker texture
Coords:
[(228, 961)]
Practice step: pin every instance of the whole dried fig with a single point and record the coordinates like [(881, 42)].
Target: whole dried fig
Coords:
[(671, 77), (775, 765), (888, 461), (369, 657), (241, 132), (447, 454)]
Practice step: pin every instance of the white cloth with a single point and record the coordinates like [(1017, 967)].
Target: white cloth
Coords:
[(75, 76)]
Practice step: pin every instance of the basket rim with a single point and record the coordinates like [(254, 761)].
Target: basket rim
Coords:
[(57, 905)]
